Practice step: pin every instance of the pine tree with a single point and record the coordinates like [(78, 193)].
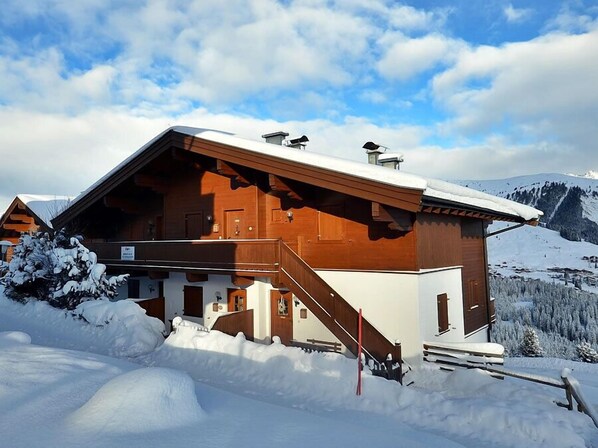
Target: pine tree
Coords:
[(530, 345), (30, 268), (586, 353), (61, 271)]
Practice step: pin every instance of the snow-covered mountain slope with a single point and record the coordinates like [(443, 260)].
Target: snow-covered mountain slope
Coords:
[(569, 203), (563, 248), (537, 252)]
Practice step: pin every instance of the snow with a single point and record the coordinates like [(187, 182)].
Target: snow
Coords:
[(45, 207), (111, 328), (430, 187), (217, 390), (532, 252), (143, 400)]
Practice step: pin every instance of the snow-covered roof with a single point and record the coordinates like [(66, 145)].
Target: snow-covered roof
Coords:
[(45, 207), (431, 188)]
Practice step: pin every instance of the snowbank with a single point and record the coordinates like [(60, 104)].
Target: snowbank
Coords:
[(144, 400), (110, 328), (465, 404), (131, 332)]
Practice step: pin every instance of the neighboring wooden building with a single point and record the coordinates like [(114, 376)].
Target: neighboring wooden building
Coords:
[(275, 241), (29, 213)]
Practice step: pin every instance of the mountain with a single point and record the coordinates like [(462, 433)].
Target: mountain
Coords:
[(569, 203), (564, 247)]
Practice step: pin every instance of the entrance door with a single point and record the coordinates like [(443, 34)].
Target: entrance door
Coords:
[(281, 312), (237, 300), (234, 220)]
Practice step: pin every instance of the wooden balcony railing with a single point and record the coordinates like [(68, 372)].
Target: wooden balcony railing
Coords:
[(249, 257)]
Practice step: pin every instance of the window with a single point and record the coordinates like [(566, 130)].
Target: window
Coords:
[(237, 300), (193, 301), (331, 223), (443, 320), (133, 288)]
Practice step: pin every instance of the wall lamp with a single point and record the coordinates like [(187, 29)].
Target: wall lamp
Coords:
[(218, 296), (290, 215)]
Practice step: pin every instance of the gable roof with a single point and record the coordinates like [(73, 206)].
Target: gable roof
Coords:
[(41, 208), (371, 182)]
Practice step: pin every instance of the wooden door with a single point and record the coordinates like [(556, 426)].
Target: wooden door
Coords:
[(234, 220), (236, 300), (281, 312), (193, 225)]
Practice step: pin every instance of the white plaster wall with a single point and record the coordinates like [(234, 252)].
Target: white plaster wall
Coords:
[(431, 284), (144, 289), (310, 327), (388, 301)]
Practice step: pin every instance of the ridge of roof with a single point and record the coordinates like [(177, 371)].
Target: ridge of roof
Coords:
[(431, 188)]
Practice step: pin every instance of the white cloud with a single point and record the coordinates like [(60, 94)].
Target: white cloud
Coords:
[(515, 15), (406, 58), (542, 89)]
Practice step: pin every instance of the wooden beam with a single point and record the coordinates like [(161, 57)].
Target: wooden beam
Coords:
[(399, 220), (17, 227), (180, 155), (192, 277), (156, 183), (21, 218), (241, 282), (227, 169), (124, 204), (158, 275), (284, 186)]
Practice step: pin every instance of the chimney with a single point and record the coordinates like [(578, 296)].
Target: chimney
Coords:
[(298, 143), (373, 151), (276, 138), (392, 161)]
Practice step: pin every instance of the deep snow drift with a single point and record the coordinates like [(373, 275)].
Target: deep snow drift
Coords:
[(247, 394)]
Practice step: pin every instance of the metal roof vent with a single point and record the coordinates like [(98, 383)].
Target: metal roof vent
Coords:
[(276, 138), (392, 161), (298, 143)]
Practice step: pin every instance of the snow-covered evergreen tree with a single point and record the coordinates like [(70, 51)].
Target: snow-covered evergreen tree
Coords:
[(61, 271), (586, 353), (30, 269), (530, 345)]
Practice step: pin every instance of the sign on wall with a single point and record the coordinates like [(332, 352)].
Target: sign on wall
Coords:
[(127, 253)]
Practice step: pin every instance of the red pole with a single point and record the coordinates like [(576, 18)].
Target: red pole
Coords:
[(358, 392)]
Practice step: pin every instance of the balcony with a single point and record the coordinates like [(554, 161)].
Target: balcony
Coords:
[(246, 257)]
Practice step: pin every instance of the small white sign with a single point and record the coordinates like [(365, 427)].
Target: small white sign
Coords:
[(127, 253)]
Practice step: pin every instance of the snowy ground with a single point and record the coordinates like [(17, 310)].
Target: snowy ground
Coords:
[(209, 389)]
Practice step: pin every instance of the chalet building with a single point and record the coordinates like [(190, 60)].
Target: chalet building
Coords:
[(29, 213), (274, 240)]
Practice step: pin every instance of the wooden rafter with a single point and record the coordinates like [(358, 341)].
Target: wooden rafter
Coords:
[(16, 227), (19, 217), (284, 186), (230, 170), (123, 204), (242, 282), (194, 277), (397, 219), (180, 155), (156, 183)]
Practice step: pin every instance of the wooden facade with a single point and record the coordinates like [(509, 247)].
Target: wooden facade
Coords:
[(203, 207)]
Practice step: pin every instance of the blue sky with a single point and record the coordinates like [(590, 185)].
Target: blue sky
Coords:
[(464, 89)]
